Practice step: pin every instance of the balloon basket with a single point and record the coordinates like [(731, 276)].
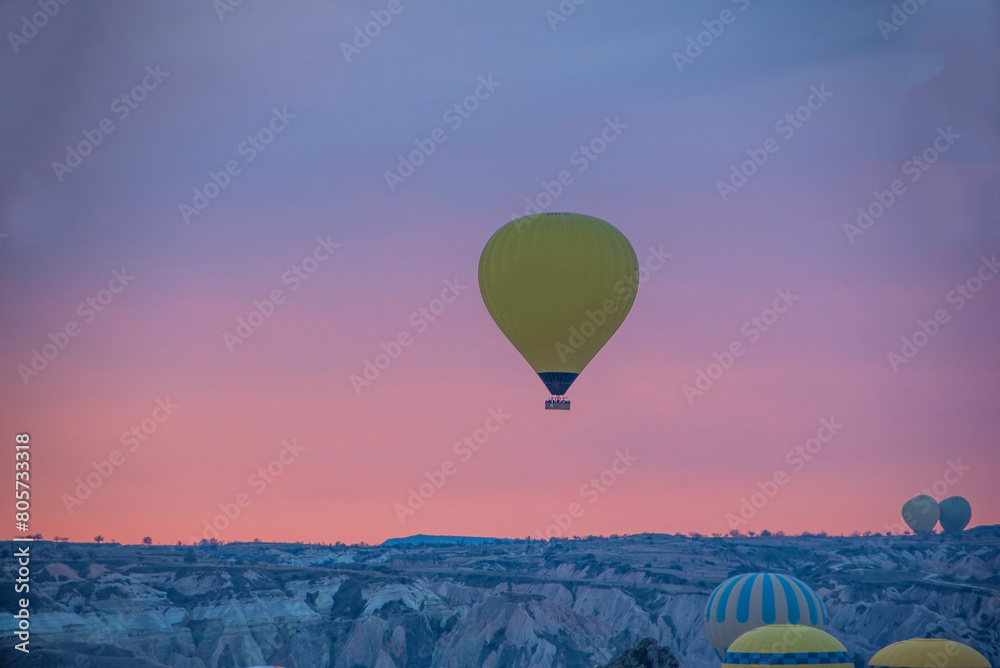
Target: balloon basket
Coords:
[(557, 404)]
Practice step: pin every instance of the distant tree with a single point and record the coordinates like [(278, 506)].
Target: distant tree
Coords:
[(751, 533), (256, 540), (695, 534), (56, 538), (735, 533), (779, 533), (765, 533), (716, 535), (98, 539), (147, 541), (855, 534), (866, 534), (36, 536), (179, 543)]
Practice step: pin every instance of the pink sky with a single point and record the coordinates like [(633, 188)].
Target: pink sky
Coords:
[(692, 463)]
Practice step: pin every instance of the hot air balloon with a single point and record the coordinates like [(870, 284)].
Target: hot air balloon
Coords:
[(921, 513), (955, 514), (751, 600), (928, 653), (785, 644), (558, 285)]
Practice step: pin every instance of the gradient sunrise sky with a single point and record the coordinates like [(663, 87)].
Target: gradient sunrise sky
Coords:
[(693, 459)]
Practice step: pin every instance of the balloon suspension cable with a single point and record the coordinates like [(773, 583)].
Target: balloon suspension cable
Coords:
[(557, 402)]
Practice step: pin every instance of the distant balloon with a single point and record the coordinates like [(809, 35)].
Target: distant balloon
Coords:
[(921, 513), (928, 653), (787, 644), (745, 602), (955, 514), (558, 285)]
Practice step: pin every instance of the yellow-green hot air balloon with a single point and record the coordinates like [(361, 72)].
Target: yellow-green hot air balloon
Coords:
[(751, 600), (921, 513), (955, 514), (787, 644), (558, 285), (928, 653)]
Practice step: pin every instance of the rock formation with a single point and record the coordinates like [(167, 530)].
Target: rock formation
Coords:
[(562, 603)]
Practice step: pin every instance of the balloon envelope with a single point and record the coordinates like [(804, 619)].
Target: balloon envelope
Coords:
[(745, 602), (787, 644), (955, 514), (921, 513), (558, 285), (928, 653)]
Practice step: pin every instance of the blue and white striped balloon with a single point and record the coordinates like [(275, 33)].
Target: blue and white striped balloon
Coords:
[(749, 601)]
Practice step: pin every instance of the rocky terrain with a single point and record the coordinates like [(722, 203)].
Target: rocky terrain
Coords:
[(567, 603), (646, 655)]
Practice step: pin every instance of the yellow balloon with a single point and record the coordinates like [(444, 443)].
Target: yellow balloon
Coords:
[(787, 644), (928, 653), (558, 285), (921, 513)]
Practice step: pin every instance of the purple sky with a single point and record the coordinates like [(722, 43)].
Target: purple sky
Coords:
[(889, 96)]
